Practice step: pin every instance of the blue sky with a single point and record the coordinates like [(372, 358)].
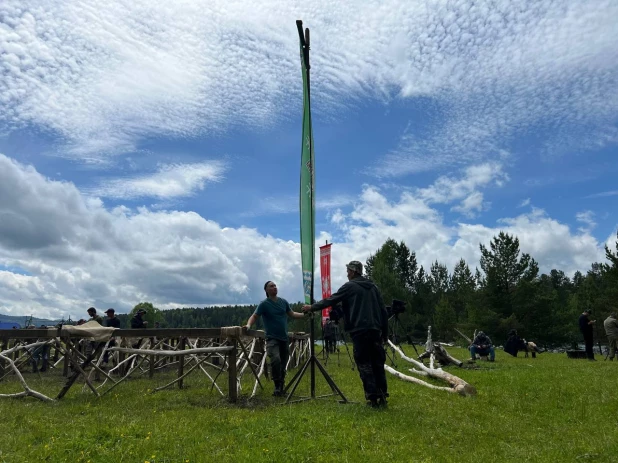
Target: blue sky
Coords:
[(152, 152)]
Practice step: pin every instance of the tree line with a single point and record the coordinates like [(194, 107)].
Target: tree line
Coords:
[(507, 292)]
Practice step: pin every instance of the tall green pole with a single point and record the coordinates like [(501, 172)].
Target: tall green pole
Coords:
[(307, 188)]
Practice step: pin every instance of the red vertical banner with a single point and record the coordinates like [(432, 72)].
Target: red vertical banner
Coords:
[(325, 273)]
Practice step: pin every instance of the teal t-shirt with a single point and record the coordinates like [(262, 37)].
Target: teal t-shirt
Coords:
[(275, 316)]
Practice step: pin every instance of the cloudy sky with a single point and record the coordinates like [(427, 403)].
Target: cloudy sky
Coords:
[(151, 152)]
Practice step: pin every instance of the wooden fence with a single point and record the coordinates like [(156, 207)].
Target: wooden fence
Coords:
[(144, 351)]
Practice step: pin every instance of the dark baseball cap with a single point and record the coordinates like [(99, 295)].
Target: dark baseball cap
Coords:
[(110, 310)]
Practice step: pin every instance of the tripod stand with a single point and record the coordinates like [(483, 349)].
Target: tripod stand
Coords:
[(339, 336), (394, 324), (393, 334), (310, 365)]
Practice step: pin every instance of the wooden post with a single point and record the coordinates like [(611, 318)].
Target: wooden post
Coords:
[(232, 387), (181, 361), (121, 358), (66, 361)]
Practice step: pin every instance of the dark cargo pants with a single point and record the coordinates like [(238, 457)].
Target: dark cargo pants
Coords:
[(278, 353), (369, 355)]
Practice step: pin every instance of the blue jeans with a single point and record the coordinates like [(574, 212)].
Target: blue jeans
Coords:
[(487, 351)]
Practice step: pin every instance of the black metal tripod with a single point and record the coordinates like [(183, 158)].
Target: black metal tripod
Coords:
[(394, 324), (339, 336), (310, 365)]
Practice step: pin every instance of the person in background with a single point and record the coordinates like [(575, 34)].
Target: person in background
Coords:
[(112, 321), (482, 345), (92, 312), (611, 330), (138, 322), (586, 327)]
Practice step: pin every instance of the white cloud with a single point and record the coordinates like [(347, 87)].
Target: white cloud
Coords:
[(472, 205), (170, 181), (604, 194), (524, 203), (587, 218), (551, 243), (75, 253), (103, 75), (448, 189)]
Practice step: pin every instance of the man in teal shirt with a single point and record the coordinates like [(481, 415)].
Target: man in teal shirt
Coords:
[(275, 312)]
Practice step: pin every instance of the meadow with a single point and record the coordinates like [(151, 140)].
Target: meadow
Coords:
[(548, 409)]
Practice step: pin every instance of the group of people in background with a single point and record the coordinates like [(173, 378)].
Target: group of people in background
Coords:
[(39, 357), (137, 321), (586, 326), (482, 346)]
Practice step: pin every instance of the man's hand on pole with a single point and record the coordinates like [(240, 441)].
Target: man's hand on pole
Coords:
[(306, 308)]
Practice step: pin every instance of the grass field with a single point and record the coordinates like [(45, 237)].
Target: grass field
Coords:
[(548, 409)]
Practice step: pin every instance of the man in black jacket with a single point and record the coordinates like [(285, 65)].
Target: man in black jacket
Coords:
[(137, 321), (586, 326), (365, 318)]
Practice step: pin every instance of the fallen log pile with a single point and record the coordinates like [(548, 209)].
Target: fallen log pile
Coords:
[(456, 384)]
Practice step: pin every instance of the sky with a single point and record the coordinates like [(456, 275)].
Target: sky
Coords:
[(152, 152)]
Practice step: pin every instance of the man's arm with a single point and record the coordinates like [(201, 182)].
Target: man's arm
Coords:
[(329, 301), (252, 320), (293, 314)]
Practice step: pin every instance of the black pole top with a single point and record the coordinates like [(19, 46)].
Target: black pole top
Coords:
[(304, 41)]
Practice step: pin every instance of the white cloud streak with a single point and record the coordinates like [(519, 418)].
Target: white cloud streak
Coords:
[(104, 75), (170, 181), (586, 218), (604, 194)]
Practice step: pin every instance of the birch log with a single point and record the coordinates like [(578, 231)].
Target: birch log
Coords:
[(27, 390), (414, 380), (460, 386)]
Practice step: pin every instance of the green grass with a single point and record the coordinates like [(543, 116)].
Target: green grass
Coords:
[(546, 409)]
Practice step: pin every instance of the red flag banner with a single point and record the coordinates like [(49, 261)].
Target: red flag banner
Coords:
[(325, 272)]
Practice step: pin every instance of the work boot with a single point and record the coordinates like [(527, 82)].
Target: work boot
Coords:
[(373, 403), (278, 389)]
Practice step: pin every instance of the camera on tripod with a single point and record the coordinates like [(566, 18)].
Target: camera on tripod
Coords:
[(336, 313), (397, 307)]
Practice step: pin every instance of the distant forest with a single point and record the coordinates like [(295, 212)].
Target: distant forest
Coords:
[(507, 292)]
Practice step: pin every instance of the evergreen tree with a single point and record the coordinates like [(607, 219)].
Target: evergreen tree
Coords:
[(504, 268)]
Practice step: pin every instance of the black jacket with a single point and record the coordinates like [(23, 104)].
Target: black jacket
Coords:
[(513, 345), (362, 304), (137, 322), (112, 322), (482, 340)]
